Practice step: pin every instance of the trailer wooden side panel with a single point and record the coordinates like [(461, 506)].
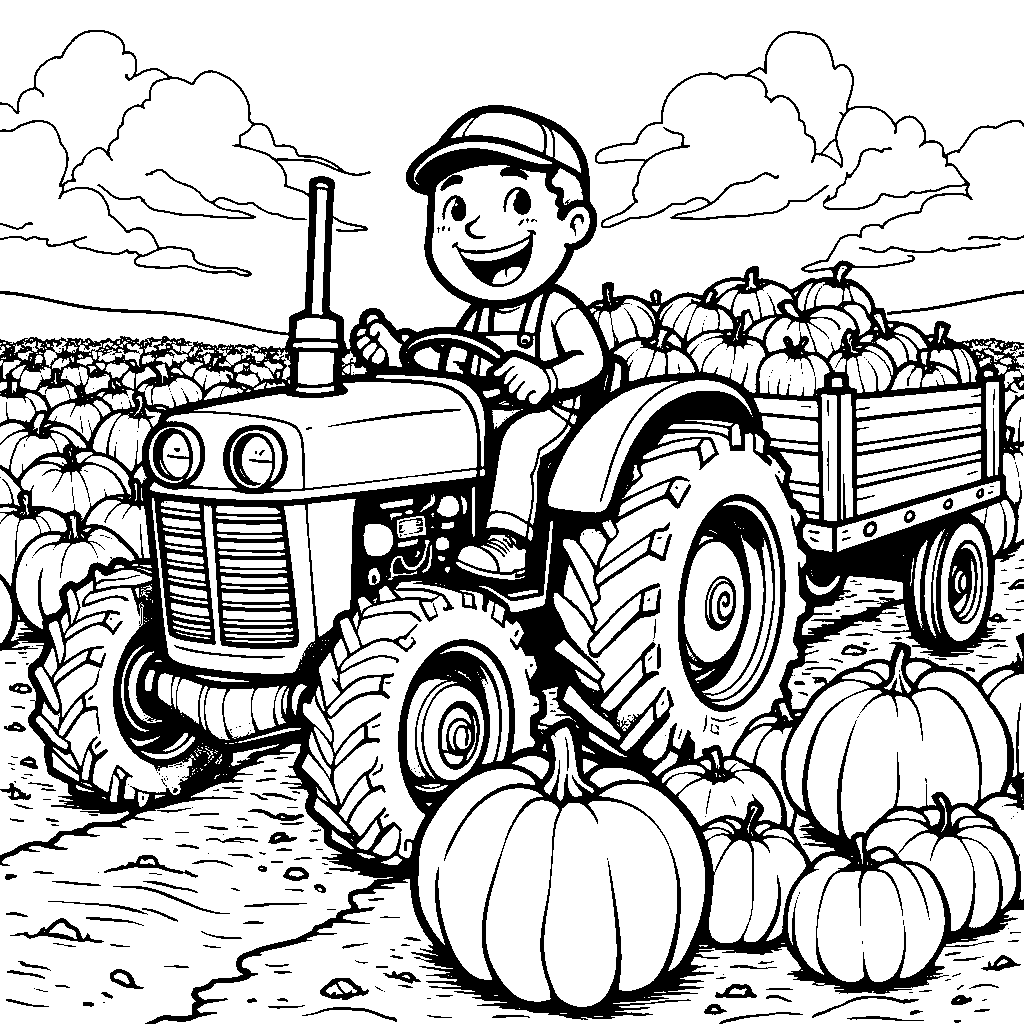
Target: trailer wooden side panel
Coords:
[(793, 424)]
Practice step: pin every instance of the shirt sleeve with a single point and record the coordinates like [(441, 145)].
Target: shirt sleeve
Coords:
[(582, 348)]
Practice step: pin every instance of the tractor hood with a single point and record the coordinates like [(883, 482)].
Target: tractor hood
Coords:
[(381, 432)]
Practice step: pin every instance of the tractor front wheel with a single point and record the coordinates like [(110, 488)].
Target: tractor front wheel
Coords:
[(422, 688)]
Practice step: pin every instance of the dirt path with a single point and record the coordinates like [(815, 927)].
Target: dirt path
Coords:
[(161, 903)]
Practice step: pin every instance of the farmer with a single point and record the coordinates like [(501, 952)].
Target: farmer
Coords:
[(509, 204)]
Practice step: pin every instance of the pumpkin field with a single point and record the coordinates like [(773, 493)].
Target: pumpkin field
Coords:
[(857, 853)]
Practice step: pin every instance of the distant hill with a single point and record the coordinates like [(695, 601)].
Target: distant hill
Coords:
[(24, 316), (996, 316)]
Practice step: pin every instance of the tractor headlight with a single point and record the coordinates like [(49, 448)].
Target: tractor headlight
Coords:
[(255, 458), (175, 454)]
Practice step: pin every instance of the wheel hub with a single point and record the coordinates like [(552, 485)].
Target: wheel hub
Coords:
[(713, 602), (446, 731)]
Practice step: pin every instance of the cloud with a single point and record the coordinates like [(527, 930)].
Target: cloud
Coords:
[(741, 153), (33, 205), (800, 66), (653, 139), (888, 158), (84, 93), (989, 213), (172, 257)]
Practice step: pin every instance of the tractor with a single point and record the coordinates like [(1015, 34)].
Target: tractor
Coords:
[(304, 587)]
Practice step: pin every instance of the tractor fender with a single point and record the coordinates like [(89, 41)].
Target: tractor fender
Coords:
[(594, 459)]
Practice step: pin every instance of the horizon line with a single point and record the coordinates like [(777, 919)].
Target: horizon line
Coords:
[(958, 302), (143, 312)]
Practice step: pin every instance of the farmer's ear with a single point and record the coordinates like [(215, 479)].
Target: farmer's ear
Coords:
[(581, 218)]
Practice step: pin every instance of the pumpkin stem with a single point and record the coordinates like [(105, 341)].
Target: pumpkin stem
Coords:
[(924, 357), (24, 504), (656, 297), (788, 306), (840, 270), (714, 755), (565, 781), (137, 497), (898, 681), (941, 335), (754, 812), (847, 344), (710, 297), (80, 393), (860, 844), (783, 711), (74, 531), (607, 294), (881, 322), (38, 422), (795, 349), (138, 405), (945, 812), (752, 279)]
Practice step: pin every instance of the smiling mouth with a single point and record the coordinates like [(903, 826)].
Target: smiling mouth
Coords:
[(499, 267)]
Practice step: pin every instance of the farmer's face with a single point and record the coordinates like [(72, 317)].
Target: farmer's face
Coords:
[(494, 234)]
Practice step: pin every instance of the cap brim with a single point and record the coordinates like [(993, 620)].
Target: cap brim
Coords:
[(453, 155)]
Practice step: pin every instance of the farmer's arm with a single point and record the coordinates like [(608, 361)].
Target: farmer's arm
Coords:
[(583, 352)]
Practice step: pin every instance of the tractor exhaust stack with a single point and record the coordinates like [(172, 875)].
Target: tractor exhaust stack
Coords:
[(315, 334)]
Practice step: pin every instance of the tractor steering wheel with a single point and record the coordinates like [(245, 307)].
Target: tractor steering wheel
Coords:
[(445, 342)]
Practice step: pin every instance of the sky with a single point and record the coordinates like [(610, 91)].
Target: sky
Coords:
[(158, 163)]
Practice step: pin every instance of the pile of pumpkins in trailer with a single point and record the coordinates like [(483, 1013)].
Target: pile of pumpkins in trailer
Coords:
[(555, 877), (773, 341), (74, 418)]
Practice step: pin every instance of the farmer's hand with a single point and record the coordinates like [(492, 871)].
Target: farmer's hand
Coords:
[(375, 341), (525, 380)]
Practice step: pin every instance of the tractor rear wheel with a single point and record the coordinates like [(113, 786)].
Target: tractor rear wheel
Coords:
[(682, 611), (105, 733), (422, 688)]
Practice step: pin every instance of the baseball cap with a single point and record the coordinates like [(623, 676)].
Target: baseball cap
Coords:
[(495, 131)]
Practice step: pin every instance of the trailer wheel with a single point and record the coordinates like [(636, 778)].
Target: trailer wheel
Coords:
[(422, 688), (820, 586), (104, 734), (682, 612), (949, 589)]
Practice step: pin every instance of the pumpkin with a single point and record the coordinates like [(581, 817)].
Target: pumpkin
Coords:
[(170, 390), (923, 373), (559, 882), (714, 786), (9, 488), (692, 315), (57, 393), (622, 316), (999, 520), (137, 377), (97, 381), (1007, 811), (125, 515), (972, 860), (755, 864), (1015, 418), (833, 290), (1004, 688), (122, 435), (958, 358), (890, 734), (23, 443), (821, 328), (1012, 464), (860, 316), (730, 353), (660, 355), (868, 918), (83, 413), (902, 342), (350, 367), (207, 376), (18, 404), (53, 560), (31, 374), (751, 294), (20, 523), (117, 396), (794, 371), (763, 742), (868, 369), (74, 480)]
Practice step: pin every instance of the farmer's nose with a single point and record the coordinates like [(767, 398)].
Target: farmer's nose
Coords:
[(473, 228)]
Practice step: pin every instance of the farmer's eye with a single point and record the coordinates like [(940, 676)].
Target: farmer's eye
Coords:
[(455, 208), (520, 201)]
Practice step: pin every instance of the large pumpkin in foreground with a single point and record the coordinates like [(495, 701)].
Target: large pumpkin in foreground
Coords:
[(1004, 687), (562, 883), (892, 734), (869, 918)]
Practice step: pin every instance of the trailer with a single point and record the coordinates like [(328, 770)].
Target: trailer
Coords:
[(887, 483)]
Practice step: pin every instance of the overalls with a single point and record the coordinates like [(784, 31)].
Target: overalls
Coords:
[(528, 434)]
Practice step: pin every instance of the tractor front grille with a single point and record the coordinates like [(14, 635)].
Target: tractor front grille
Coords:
[(227, 574)]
